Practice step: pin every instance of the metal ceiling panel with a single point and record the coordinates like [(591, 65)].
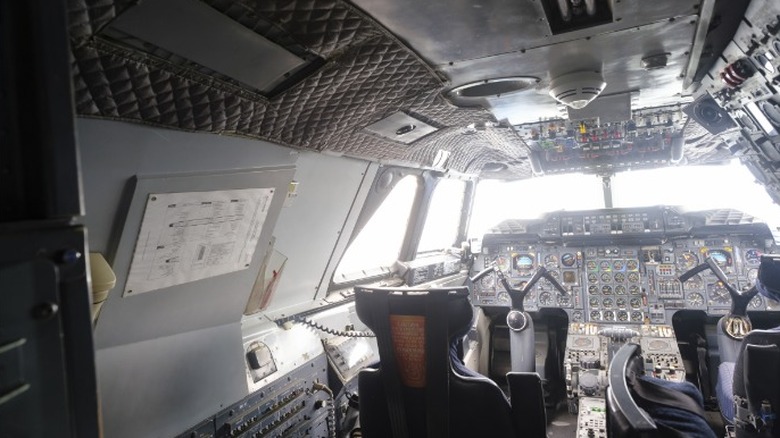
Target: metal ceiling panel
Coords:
[(444, 31), (617, 55)]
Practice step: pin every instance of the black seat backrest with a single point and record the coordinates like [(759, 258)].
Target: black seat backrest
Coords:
[(757, 385), (756, 382), (420, 389), (647, 407)]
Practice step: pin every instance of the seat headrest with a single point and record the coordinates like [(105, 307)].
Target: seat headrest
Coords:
[(409, 301), (768, 281)]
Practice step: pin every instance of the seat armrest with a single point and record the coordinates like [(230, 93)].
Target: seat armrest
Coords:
[(527, 398)]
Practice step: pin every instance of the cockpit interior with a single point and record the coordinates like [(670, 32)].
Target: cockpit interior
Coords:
[(390, 218)]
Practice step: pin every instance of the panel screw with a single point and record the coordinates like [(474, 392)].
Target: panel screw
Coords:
[(70, 256), (45, 311)]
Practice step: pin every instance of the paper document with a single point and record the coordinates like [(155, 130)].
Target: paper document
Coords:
[(195, 235)]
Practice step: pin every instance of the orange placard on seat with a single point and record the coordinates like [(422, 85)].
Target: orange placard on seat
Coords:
[(408, 333)]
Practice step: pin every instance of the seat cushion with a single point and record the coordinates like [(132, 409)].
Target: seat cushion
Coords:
[(725, 390), (689, 424)]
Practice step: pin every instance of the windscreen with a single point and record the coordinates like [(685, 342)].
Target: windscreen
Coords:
[(693, 188)]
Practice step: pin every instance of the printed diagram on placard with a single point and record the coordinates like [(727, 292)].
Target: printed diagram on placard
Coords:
[(190, 236)]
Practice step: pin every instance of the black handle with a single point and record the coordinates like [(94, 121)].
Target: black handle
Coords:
[(479, 275)]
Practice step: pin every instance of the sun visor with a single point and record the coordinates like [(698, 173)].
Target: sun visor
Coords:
[(193, 30)]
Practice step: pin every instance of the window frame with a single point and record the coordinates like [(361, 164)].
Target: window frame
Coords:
[(427, 182)]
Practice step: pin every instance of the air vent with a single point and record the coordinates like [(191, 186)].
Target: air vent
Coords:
[(578, 89), (728, 217), (400, 127), (474, 93)]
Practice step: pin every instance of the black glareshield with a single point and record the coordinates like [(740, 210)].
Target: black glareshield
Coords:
[(768, 283)]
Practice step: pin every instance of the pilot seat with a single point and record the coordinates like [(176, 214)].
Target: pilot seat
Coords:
[(640, 406), (749, 388), (421, 388)]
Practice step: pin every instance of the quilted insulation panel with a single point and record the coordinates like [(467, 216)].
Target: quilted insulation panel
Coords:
[(367, 75)]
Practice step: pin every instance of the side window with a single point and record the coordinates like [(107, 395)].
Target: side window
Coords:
[(444, 214), (378, 244)]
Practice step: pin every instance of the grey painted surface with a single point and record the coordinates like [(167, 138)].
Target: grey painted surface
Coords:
[(159, 388), (112, 152), (308, 229), (190, 306), (164, 361)]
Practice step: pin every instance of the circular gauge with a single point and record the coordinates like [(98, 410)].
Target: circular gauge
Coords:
[(568, 259), (562, 300), (620, 290), (635, 303), (752, 275), (503, 297), (606, 290), (618, 265), (620, 277), (620, 302), (593, 278), (605, 266), (545, 299), (576, 316), (593, 289), (636, 316), (695, 300), (501, 262), (607, 303), (606, 277), (694, 282), (633, 277), (721, 257), (687, 260), (551, 261), (752, 256), (591, 265), (622, 316), (632, 265), (523, 263), (756, 302), (634, 290), (488, 282), (595, 315), (594, 302), (609, 315), (719, 294)]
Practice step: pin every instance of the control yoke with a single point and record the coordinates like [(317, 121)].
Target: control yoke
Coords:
[(522, 341), (736, 324), (739, 300), (518, 295)]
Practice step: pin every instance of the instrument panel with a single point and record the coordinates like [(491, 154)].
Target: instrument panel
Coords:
[(626, 278)]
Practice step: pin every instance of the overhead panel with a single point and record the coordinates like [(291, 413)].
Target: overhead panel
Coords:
[(611, 108), (205, 36)]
